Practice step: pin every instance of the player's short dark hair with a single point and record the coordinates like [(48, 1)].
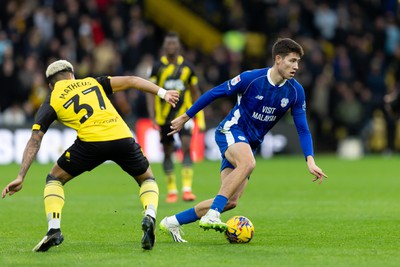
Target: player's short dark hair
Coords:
[(172, 34), (285, 46)]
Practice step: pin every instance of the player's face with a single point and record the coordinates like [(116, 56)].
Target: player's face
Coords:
[(288, 65), (171, 46)]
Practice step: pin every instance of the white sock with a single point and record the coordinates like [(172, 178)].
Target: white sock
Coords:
[(54, 224), (186, 189), (151, 211)]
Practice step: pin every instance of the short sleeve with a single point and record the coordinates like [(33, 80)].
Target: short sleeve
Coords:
[(45, 116), (105, 82)]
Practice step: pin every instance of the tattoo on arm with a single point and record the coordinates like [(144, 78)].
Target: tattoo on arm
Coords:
[(30, 152)]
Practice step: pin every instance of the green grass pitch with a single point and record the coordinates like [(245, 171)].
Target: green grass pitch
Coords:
[(352, 219)]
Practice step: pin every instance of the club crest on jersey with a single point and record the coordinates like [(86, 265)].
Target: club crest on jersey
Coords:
[(284, 102), (235, 80)]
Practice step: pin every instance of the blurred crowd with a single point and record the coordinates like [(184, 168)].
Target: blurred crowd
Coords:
[(352, 55)]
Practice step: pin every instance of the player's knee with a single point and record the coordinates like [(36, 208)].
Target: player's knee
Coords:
[(168, 165), (187, 160), (252, 164), (50, 178), (147, 180), (249, 165), (141, 180)]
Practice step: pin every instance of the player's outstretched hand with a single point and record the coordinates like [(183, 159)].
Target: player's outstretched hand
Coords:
[(315, 170), (172, 97), (177, 123), (12, 188)]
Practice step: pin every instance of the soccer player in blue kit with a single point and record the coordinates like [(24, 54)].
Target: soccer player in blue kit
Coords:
[(263, 97)]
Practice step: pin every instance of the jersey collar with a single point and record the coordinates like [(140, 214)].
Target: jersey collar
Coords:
[(179, 60), (270, 80)]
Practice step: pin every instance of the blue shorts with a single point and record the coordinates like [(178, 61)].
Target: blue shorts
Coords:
[(225, 138)]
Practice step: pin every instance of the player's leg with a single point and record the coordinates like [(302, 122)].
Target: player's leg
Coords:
[(241, 156), (129, 156), (54, 203), (202, 208), (148, 195), (78, 158), (168, 167), (168, 164), (238, 154), (171, 224), (187, 168), (148, 192)]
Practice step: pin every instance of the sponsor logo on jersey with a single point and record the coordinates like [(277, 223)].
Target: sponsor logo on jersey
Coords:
[(235, 80), (263, 117), (174, 84), (284, 102), (259, 97)]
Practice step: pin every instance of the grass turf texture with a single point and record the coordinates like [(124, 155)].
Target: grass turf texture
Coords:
[(352, 219)]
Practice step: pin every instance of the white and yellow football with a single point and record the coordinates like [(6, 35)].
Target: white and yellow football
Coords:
[(240, 230)]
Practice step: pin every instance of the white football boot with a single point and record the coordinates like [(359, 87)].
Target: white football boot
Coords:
[(212, 221), (172, 229)]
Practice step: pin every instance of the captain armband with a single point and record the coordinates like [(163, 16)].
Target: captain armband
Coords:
[(161, 93)]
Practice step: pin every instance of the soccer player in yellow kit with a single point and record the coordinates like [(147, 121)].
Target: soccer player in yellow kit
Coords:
[(174, 72), (82, 104)]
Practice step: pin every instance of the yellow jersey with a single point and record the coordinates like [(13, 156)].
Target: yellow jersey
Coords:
[(83, 105), (173, 76)]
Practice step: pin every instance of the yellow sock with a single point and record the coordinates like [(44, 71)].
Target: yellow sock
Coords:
[(148, 195), (171, 183), (187, 178), (54, 200)]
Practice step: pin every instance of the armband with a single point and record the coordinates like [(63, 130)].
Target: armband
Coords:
[(161, 93)]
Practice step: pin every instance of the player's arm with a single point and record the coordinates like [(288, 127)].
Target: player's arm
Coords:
[(120, 83), (44, 118), (234, 86), (307, 147), (29, 155), (202, 102), (195, 94), (150, 99), (300, 120)]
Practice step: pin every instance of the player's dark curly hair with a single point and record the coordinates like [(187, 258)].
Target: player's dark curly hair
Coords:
[(285, 46)]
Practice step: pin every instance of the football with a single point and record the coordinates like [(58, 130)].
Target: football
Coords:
[(240, 230)]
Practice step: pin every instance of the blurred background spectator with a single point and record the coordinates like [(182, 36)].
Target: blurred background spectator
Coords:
[(352, 54)]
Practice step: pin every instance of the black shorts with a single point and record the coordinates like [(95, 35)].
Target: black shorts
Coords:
[(85, 156), (165, 129)]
